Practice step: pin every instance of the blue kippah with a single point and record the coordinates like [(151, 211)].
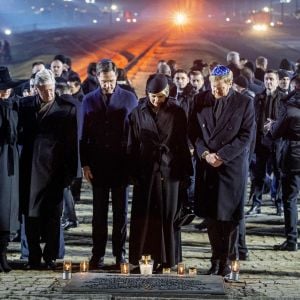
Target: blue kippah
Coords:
[(220, 70)]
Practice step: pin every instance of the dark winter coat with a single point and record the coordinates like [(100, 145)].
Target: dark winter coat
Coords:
[(220, 191), (89, 84), (160, 158), (49, 156), (287, 127), (9, 165), (104, 137)]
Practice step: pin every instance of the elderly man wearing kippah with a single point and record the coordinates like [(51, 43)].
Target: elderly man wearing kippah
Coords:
[(221, 129)]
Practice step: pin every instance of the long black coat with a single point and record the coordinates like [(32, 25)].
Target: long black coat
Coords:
[(219, 192), (49, 158), (158, 149), (288, 128), (104, 135), (9, 165)]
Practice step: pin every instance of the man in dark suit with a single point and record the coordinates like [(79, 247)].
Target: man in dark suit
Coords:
[(221, 130), (288, 128), (103, 157), (49, 160)]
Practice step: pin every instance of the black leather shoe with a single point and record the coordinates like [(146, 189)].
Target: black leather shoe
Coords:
[(96, 262), (4, 263), (254, 210), (50, 264), (244, 256), (286, 246), (214, 269), (32, 266), (224, 270)]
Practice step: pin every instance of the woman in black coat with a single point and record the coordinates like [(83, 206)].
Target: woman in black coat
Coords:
[(160, 160), (9, 167)]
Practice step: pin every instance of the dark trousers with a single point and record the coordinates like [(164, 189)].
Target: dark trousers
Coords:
[(76, 188), (48, 229), (69, 213), (290, 190), (241, 247), (99, 223), (263, 159), (222, 236)]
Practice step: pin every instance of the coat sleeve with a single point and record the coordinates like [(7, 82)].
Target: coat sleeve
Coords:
[(279, 127), (243, 137), (84, 135)]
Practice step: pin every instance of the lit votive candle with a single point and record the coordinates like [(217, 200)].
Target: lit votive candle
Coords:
[(84, 266), (67, 269), (125, 268), (235, 270), (166, 270), (192, 271), (181, 269)]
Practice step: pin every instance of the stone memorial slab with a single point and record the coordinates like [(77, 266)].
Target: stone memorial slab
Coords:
[(152, 285)]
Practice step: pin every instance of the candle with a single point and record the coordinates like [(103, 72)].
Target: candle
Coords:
[(146, 265), (166, 270), (125, 268), (192, 271), (84, 266), (67, 269), (181, 269), (235, 270)]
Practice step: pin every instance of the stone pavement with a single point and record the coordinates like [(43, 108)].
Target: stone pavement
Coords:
[(268, 273)]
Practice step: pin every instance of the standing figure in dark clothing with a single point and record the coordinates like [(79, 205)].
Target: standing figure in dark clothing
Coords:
[(9, 165), (267, 106), (160, 160), (104, 160), (49, 160), (221, 130), (288, 128), (91, 82)]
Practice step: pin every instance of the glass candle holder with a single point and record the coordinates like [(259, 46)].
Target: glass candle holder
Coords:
[(192, 271), (146, 265), (181, 269), (67, 269), (166, 270), (235, 270), (84, 266), (125, 268)]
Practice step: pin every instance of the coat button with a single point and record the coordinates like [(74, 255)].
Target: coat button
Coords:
[(203, 125)]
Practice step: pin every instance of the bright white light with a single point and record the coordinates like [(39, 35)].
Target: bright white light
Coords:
[(128, 20), (95, 21), (248, 21), (266, 9), (118, 19), (227, 19), (90, 1), (7, 31), (180, 18), (114, 7), (272, 24), (42, 9), (134, 20), (260, 27)]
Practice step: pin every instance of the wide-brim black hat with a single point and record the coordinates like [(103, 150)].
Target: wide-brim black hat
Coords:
[(5, 80)]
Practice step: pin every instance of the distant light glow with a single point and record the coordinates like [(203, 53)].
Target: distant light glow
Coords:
[(266, 9), (90, 1), (114, 7), (95, 21), (118, 19), (227, 19), (180, 18), (7, 31), (260, 27), (134, 20), (128, 20), (248, 21), (42, 9), (272, 24)]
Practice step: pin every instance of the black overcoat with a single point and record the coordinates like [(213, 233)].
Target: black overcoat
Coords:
[(160, 158), (9, 165), (52, 146), (288, 127), (219, 192)]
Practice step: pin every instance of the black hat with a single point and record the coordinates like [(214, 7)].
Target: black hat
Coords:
[(283, 73), (60, 57), (241, 81), (286, 65), (5, 80), (156, 83)]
